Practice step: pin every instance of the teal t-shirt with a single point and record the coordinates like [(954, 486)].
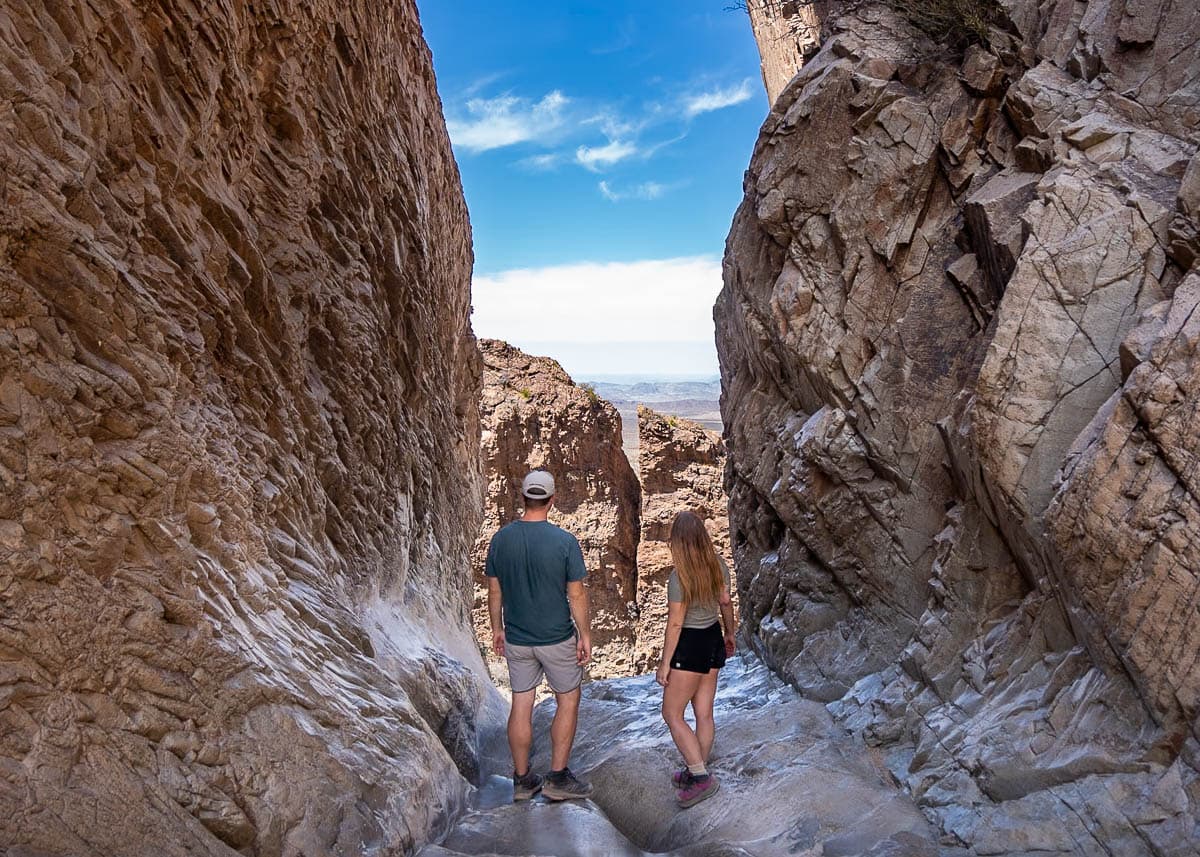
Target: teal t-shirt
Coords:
[(533, 560)]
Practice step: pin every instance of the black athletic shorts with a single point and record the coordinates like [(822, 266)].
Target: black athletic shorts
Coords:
[(699, 649)]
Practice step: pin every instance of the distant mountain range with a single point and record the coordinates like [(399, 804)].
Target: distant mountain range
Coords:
[(697, 400), (652, 393)]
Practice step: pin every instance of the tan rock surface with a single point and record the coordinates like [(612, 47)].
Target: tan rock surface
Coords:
[(682, 467), (534, 415), (238, 433), (786, 31), (958, 354)]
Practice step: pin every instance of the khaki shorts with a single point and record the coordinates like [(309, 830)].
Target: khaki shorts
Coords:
[(557, 662)]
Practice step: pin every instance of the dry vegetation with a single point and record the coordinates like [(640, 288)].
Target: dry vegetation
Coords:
[(951, 23)]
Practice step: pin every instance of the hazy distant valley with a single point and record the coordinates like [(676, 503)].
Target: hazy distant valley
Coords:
[(697, 400)]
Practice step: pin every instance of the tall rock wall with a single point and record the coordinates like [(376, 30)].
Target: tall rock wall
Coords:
[(238, 432), (786, 32), (682, 468), (534, 415), (958, 343)]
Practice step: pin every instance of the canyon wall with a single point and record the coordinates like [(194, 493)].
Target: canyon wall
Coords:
[(958, 339), (786, 32), (238, 433), (534, 415), (682, 468)]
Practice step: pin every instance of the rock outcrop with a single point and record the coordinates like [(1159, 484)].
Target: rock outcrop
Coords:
[(959, 346), (682, 468), (787, 31), (534, 415), (238, 433)]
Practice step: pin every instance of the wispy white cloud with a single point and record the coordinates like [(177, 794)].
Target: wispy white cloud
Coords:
[(507, 120), (541, 163), (654, 300), (717, 99), (596, 158), (646, 191)]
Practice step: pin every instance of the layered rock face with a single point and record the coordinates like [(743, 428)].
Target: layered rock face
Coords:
[(238, 433), (786, 32), (534, 415), (958, 343), (682, 467)]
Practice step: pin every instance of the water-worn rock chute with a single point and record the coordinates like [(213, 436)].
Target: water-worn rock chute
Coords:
[(238, 432), (960, 372)]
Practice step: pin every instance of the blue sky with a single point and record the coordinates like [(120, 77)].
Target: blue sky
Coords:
[(602, 147)]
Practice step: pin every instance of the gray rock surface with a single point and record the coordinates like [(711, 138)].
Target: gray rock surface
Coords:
[(959, 362), (792, 783), (238, 433)]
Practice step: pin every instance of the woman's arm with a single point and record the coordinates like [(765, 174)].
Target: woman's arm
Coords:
[(729, 622), (676, 610)]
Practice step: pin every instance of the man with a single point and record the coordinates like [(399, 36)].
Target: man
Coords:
[(535, 573)]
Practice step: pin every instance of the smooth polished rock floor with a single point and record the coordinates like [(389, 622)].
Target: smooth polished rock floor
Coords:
[(792, 783)]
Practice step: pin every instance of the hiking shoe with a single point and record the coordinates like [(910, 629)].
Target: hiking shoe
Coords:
[(679, 778), (527, 786), (565, 786), (696, 790)]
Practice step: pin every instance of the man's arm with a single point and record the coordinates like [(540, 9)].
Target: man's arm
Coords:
[(494, 613), (578, 598)]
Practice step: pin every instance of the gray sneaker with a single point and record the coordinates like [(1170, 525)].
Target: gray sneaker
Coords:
[(564, 785), (527, 786)]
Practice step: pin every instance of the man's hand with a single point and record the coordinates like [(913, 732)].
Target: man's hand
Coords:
[(498, 643), (730, 645), (663, 676), (583, 649)]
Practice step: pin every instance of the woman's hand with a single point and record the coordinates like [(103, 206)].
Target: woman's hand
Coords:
[(730, 645), (663, 676)]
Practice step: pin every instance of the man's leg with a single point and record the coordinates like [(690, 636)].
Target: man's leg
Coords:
[(702, 707), (562, 729), (524, 676), (566, 675), (520, 730)]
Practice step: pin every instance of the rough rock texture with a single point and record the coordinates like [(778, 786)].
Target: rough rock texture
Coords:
[(786, 31), (959, 350), (792, 783), (682, 468), (238, 432), (534, 415)]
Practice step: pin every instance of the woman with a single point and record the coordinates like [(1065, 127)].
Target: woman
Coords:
[(694, 651)]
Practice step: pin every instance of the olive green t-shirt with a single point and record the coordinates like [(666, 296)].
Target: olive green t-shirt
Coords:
[(534, 560), (698, 615)]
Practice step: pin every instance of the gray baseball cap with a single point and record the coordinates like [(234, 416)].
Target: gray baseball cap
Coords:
[(538, 484)]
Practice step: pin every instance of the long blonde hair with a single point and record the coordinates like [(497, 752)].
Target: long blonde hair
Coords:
[(695, 559)]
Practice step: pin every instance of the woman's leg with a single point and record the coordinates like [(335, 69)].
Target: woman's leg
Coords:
[(702, 707), (679, 691)]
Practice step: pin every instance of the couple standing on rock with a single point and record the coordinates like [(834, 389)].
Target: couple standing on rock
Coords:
[(535, 576)]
